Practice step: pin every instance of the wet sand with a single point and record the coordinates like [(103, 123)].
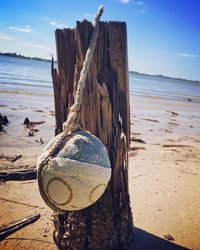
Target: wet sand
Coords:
[(164, 173)]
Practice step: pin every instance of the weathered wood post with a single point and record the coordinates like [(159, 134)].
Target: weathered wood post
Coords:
[(105, 113)]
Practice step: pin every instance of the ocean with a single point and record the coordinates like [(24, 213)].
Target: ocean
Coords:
[(25, 76), (32, 77)]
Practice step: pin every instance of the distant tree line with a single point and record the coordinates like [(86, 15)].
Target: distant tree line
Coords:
[(161, 76), (24, 57)]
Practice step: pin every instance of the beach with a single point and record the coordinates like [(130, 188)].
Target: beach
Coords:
[(164, 176), (19, 199), (164, 166)]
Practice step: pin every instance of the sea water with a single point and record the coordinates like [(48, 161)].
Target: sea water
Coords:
[(32, 77), (160, 87), (19, 75)]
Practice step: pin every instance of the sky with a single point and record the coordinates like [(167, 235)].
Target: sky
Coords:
[(163, 35)]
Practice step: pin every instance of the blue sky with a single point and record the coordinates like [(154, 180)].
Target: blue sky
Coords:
[(163, 35)]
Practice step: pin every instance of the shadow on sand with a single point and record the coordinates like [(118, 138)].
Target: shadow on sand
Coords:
[(143, 240)]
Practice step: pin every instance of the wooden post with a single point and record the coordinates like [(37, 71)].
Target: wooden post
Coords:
[(105, 112)]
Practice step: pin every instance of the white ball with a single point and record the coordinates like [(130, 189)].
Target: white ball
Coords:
[(78, 175)]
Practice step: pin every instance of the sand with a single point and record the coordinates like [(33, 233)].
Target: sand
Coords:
[(15, 142), (164, 173), (164, 177)]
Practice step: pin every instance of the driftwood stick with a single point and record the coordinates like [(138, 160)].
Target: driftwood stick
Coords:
[(20, 203), (20, 171), (19, 175), (29, 239), (16, 158), (13, 227), (33, 123), (10, 158)]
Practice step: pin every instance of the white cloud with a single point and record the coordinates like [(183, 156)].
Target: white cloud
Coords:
[(26, 29), (53, 22), (124, 1), (38, 46), (187, 55), (56, 24), (5, 37)]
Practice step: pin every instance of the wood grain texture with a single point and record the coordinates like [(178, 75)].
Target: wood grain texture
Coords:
[(105, 112)]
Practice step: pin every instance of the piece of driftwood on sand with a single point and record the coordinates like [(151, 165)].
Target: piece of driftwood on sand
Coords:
[(10, 158), (135, 148), (22, 175), (13, 227), (19, 203), (134, 139)]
